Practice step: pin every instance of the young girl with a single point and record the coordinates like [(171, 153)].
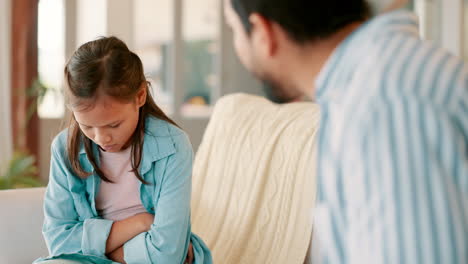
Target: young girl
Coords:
[(120, 176)]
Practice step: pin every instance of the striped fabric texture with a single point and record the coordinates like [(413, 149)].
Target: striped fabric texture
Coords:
[(392, 149)]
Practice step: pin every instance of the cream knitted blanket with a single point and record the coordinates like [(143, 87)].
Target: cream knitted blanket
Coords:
[(254, 181)]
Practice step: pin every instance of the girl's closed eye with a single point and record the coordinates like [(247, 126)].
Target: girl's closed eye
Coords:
[(115, 126)]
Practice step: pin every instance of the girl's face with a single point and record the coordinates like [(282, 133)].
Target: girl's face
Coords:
[(111, 123)]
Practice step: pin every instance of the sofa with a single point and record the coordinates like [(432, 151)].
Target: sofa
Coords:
[(20, 225), (253, 187)]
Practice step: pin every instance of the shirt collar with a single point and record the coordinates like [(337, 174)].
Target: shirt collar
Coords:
[(346, 57)]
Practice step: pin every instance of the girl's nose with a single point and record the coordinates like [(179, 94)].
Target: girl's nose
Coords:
[(102, 139)]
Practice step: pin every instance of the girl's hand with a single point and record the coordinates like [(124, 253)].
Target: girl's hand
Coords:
[(189, 259), (117, 255)]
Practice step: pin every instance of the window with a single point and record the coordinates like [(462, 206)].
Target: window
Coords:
[(177, 40), (153, 32), (201, 23), (51, 53)]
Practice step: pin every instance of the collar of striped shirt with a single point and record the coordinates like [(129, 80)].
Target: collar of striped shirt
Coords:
[(347, 56)]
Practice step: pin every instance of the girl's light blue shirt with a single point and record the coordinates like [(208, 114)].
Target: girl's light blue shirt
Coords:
[(73, 229)]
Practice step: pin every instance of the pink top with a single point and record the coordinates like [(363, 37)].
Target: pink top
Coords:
[(121, 199)]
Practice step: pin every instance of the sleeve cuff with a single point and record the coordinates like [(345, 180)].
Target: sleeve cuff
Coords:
[(134, 252), (95, 234)]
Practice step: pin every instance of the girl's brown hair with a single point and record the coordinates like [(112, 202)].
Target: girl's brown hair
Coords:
[(107, 65)]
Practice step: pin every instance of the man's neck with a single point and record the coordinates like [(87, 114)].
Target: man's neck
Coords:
[(310, 60)]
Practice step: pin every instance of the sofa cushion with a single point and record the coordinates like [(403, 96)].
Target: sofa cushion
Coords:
[(21, 224)]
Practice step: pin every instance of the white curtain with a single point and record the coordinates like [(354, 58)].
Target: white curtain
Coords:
[(6, 144)]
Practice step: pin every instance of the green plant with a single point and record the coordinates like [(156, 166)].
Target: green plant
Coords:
[(20, 173), (36, 93)]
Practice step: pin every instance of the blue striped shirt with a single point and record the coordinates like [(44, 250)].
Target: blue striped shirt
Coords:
[(392, 149)]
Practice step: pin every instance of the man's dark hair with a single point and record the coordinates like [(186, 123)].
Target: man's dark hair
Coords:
[(304, 20)]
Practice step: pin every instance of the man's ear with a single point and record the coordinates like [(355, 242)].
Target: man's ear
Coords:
[(141, 95), (263, 35)]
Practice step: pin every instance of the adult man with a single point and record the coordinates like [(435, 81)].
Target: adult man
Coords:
[(392, 149)]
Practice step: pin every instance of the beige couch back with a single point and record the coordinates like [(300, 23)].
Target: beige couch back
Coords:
[(21, 219)]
